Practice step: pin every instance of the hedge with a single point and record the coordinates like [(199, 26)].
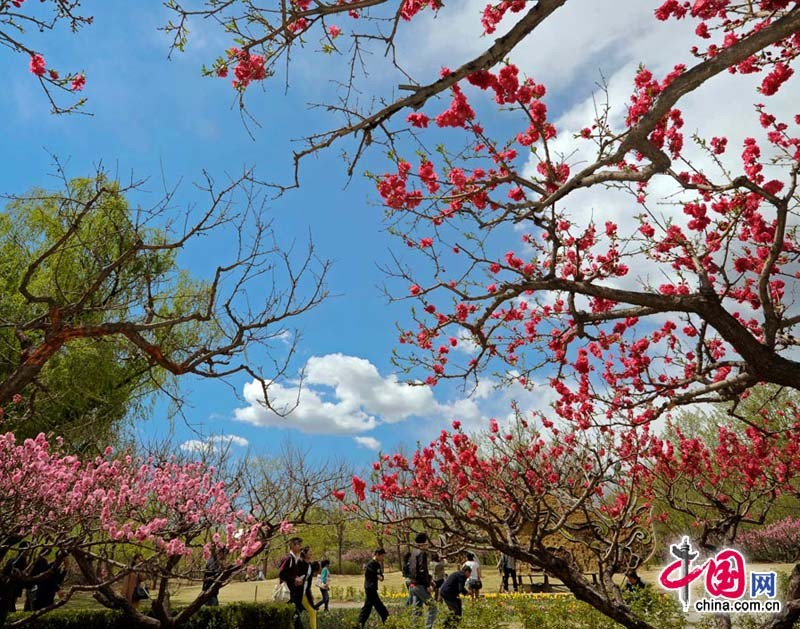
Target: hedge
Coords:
[(232, 616)]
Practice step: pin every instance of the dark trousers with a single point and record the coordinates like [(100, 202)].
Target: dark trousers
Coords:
[(454, 605), (297, 599), (326, 597), (513, 573), (373, 600)]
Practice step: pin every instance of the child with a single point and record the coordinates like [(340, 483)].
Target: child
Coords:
[(323, 583)]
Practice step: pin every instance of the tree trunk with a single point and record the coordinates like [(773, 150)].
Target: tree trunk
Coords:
[(339, 545), (571, 576)]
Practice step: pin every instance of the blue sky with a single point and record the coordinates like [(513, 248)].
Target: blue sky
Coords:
[(151, 114)]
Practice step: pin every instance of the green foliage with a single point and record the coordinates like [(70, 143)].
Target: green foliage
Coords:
[(243, 616), (78, 619), (339, 618), (333, 531), (91, 266), (233, 616), (348, 593), (539, 611), (351, 568), (657, 608), (557, 612)]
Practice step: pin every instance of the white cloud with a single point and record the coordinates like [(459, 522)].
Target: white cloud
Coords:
[(214, 443), (722, 107), (340, 395), (368, 442), (578, 39), (347, 395), (285, 336), (466, 344), (357, 382)]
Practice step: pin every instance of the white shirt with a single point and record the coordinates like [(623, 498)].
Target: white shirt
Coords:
[(476, 568)]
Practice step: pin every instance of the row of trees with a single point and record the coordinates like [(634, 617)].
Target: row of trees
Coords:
[(97, 317), (157, 515)]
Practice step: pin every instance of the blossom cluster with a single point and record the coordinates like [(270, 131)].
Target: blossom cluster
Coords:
[(48, 495)]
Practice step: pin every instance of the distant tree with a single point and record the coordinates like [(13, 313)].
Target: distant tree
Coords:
[(295, 486), (779, 541), (97, 311), (102, 512), (731, 493), (575, 501)]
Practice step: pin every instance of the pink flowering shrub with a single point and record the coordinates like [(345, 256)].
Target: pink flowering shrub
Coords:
[(162, 506), (358, 556), (105, 510), (779, 541)]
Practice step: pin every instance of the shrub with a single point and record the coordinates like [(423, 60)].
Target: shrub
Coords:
[(351, 567), (342, 619), (359, 556), (233, 616), (543, 611), (78, 619), (779, 541)]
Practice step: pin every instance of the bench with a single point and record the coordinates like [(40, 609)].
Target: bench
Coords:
[(539, 581)]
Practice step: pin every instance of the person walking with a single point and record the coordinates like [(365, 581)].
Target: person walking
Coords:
[(212, 572), (437, 574), (633, 582), (289, 573), (133, 588), (421, 581), (47, 588), (12, 572), (406, 567), (454, 585), (373, 574), (308, 596), (304, 572), (324, 584), (508, 568), (475, 583)]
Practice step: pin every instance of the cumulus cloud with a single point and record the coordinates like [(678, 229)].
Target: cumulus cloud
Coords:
[(601, 37), (214, 443), (340, 395), (347, 395), (368, 442)]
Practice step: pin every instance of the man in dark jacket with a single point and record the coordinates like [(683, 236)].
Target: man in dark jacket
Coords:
[(47, 588), (212, 572), (421, 581), (12, 572), (454, 585), (373, 574), (288, 573)]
